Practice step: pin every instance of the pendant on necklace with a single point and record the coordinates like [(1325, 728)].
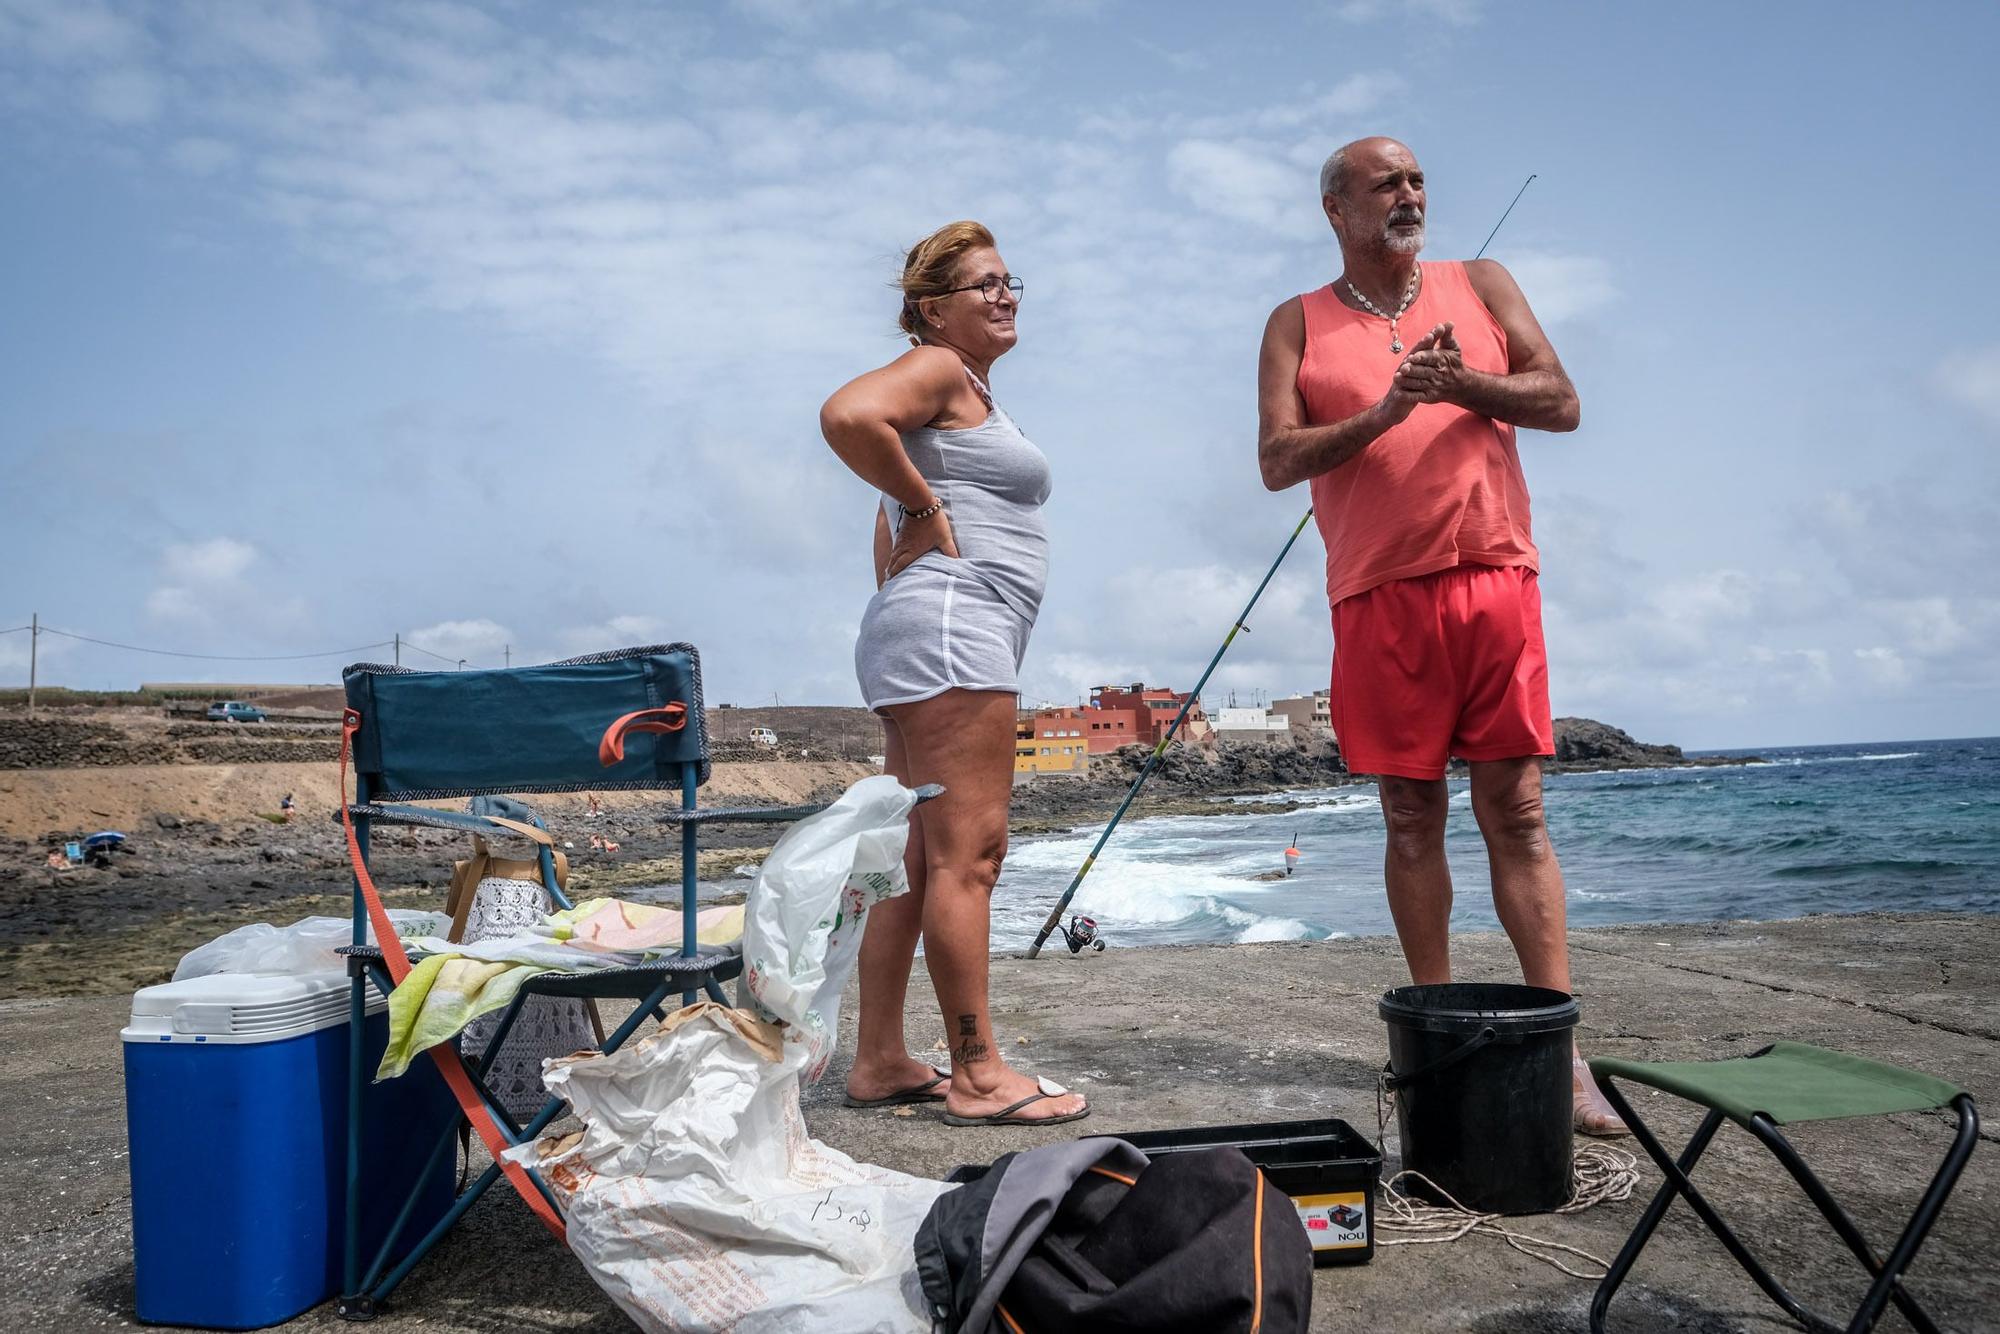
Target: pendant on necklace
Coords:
[(1395, 345)]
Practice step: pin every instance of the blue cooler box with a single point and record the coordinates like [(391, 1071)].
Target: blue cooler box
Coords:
[(236, 1112)]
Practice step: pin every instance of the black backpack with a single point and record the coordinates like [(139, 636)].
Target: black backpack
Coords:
[(1091, 1235)]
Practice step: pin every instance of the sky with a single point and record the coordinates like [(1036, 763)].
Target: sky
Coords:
[(504, 328)]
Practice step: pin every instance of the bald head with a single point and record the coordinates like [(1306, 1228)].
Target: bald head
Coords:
[(1372, 191), (1376, 150)]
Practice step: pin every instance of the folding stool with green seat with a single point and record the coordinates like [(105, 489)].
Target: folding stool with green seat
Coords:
[(1785, 1083)]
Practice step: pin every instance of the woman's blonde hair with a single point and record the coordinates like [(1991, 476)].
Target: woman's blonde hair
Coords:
[(931, 268)]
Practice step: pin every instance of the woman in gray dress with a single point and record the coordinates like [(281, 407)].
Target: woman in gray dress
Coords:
[(961, 555)]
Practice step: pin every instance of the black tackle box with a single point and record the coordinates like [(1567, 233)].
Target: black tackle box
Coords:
[(1327, 1168)]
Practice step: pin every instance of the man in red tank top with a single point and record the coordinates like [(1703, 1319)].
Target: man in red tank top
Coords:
[(1395, 391)]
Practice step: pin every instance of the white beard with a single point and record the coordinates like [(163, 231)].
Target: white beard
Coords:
[(1399, 243)]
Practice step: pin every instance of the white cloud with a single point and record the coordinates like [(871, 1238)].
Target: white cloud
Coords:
[(877, 78), (1321, 114), (1459, 13), (1237, 182), (1973, 379), (125, 96), (201, 155), (216, 560), (480, 642), (1562, 288), (648, 192), (624, 630), (1800, 671), (52, 652), (791, 15), (1187, 62), (1883, 666), (74, 32), (283, 33), (203, 583), (1930, 625)]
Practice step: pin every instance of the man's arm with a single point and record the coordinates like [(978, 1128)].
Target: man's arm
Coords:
[(1535, 392), (1288, 450)]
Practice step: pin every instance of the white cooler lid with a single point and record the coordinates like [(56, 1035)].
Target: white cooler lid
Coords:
[(238, 1008)]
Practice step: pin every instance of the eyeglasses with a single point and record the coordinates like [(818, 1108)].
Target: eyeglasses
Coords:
[(990, 288)]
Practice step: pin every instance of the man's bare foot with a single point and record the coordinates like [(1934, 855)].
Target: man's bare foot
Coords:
[(992, 1087), (1590, 1112), (874, 1081)]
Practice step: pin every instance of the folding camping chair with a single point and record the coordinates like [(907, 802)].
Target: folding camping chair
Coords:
[(628, 719), (1784, 1083)]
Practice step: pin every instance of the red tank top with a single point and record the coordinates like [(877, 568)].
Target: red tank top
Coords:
[(1443, 487)]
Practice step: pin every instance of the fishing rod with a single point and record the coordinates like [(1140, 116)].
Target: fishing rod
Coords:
[(1503, 217), (1088, 927), (1082, 931)]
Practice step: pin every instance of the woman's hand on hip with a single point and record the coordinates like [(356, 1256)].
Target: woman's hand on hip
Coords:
[(918, 537)]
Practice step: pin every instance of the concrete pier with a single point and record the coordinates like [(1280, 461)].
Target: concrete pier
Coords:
[(1209, 1035)]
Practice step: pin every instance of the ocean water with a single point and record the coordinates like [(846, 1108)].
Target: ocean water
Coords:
[(1903, 825)]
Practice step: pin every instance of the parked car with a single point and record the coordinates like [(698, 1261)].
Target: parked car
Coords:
[(763, 736), (234, 711)]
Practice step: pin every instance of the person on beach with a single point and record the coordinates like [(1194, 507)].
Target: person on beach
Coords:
[(1408, 442), (961, 555)]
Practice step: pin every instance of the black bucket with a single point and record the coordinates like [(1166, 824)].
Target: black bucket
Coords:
[(1481, 1073)]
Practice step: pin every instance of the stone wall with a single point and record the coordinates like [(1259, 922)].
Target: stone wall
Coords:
[(62, 743)]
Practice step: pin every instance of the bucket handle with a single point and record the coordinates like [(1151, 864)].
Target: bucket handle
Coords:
[(1393, 1081)]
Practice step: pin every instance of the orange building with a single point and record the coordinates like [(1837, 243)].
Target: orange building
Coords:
[(1051, 741), (1135, 715)]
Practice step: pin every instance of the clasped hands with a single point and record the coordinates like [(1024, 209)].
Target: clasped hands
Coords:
[(1433, 372)]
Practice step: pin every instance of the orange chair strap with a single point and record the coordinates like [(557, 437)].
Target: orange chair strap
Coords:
[(448, 1062), (611, 749)]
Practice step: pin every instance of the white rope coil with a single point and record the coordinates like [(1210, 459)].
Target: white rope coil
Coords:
[(1599, 1175)]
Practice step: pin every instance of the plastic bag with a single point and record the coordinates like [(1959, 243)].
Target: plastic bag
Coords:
[(306, 946), (694, 1194), (802, 924)]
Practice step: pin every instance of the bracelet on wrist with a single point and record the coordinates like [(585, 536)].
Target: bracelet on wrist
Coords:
[(923, 513)]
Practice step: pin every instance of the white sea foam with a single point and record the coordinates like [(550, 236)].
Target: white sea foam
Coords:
[(1794, 761), (1312, 798), (1186, 890), (1279, 928)]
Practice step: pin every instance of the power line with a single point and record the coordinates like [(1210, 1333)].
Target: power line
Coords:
[(411, 643), (217, 657), (18, 629)]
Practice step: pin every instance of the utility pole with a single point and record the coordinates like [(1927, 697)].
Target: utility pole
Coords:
[(508, 649), (34, 643), (399, 648)]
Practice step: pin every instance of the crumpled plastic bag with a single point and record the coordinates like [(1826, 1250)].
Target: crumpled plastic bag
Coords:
[(802, 924), (306, 946), (694, 1194)]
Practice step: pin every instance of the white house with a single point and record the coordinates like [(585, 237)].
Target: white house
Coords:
[(1234, 724)]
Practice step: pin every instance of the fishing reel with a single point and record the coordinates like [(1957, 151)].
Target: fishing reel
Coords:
[(1080, 934)]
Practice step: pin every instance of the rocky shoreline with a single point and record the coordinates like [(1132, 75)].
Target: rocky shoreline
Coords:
[(1188, 779), (207, 851)]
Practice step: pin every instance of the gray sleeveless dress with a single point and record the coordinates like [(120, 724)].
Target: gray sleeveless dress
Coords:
[(962, 623)]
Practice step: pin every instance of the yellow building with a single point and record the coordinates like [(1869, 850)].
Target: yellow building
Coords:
[(1051, 741)]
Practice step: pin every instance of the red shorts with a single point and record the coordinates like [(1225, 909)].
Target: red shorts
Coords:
[(1447, 664)]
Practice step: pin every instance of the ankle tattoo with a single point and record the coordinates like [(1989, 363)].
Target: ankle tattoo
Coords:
[(970, 1050)]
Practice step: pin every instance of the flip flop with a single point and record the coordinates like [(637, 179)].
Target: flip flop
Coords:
[(1006, 1115), (1590, 1112), (915, 1093)]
